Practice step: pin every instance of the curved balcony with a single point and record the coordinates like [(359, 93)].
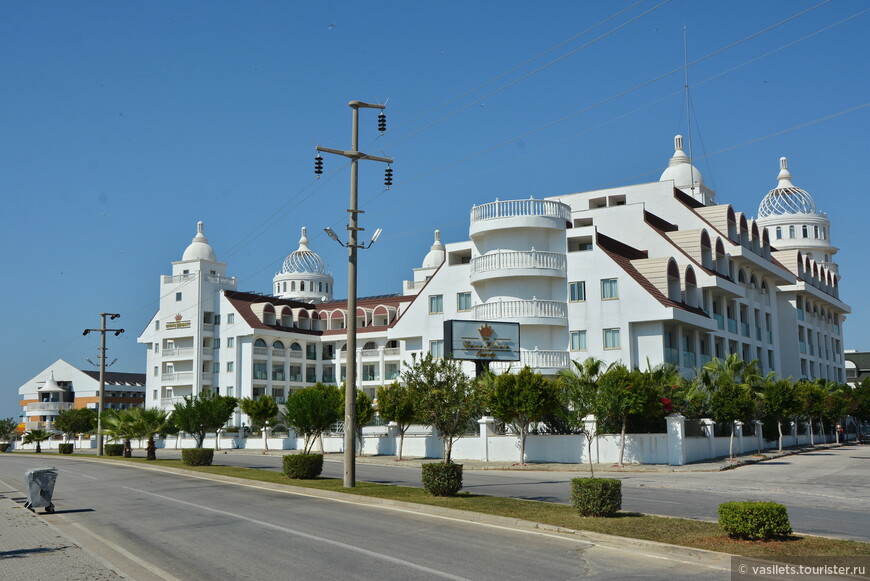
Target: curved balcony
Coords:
[(529, 312), (518, 263), (529, 213), (48, 407), (546, 361)]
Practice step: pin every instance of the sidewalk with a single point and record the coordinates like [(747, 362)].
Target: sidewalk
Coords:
[(30, 548), (715, 465)]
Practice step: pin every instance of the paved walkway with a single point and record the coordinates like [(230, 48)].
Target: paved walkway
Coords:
[(30, 548)]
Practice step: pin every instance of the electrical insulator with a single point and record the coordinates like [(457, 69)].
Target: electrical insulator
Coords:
[(318, 165), (382, 122), (388, 177)]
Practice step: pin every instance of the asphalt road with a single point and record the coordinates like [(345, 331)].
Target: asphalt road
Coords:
[(826, 491), (157, 525)]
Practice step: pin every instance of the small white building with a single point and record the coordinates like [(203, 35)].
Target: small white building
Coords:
[(643, 274)]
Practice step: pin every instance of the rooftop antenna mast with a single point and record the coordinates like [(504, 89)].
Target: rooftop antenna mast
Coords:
[(688, 108)]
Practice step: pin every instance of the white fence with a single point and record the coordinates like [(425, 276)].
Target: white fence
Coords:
[(672, 448)]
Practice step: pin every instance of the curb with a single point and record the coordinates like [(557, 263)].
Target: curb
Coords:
[(716, 559)]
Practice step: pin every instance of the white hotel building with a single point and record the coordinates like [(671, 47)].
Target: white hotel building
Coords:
[(655, 272)]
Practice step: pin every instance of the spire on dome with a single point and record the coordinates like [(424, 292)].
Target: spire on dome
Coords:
[(784, 176), (303, 240), (786, 198), (199, 248), (303, 259), (436, 253)]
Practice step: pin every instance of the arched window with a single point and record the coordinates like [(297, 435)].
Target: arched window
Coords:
[(293, 286), (779, 232), (815, 231), (301, 286), (320, 287), (370, 345), (805, 231), (791, 231), (260, 343), (295, 346), (277, 345)]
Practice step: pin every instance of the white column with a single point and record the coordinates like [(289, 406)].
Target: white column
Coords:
[(738, 433), (487, 429), (382, 366), (676, 433), (707, 428)]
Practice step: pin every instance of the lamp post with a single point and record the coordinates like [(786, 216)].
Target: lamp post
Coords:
[(352, 246), (102, 331)]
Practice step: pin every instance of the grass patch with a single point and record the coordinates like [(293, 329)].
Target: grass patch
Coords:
[(675, 531)]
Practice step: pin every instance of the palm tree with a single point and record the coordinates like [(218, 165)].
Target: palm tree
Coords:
[(148, 423), (729, 382), (118, 425), (37, 436)]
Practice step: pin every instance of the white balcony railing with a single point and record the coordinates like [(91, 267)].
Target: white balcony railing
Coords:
[(178, 278), (178, 352), (165, 401), (261, 351), (514, 208), (536, 359), (511, 260), (392, 352), (49, 406), (371, 353), (534, 308), (177, 377)]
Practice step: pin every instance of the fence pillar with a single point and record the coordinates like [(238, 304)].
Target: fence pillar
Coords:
[(676, 434), (794, 433), (738, 433), (707, 429), (217, 438), (393, 437), (759, 435), (487, 429)]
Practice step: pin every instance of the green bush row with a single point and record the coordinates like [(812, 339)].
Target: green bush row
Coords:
[(65, 448), (442, 479), (754, 520), (4, 446), (197, 456), (596, 496), (303, 465), (114, 449)]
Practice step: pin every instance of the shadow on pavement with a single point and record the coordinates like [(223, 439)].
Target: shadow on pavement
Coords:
[(22, 553)]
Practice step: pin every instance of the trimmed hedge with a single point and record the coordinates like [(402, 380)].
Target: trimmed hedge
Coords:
[(113, 449), (4, 446), (65, 448), (440, 479), (303, 466), (754, 520), (596, 496), (197, 456)]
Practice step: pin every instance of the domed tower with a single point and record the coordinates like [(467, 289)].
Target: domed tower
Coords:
[(303, 276), (686, 176), (792, 221)]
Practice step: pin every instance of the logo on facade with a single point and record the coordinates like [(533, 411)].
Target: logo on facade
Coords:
[(178, 323), (178, 317), (485, 332)]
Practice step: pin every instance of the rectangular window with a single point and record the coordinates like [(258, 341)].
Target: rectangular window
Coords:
[(157, 347), (311, 351), (611, 339), (278, 372), (578, 340), (295, 373), (609, 290), (436, 304), (231, 318), (154, 394), (463, 301), (371, 372), (217, 319), (230, 366), (230, 390), (216, 367), (178, 296), (260, 371), (436, 348), (577, 291), (217, 343), (391, 371), (155, 372), (231, 342), (311, 374), (156, 325)]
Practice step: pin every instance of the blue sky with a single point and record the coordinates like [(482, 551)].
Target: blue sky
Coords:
[(122, 124)]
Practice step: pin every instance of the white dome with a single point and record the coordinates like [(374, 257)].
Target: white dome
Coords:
[(680, 168), (785, 198), (436, 254), (199, 248), (51, 385), (303, 259)]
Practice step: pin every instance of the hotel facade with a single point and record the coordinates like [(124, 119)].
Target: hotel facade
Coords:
[(644, 274)]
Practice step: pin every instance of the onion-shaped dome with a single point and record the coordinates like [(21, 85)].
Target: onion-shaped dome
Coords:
[(785, 198), (681, 170), (303, 259), (199, 248), (436, 253)]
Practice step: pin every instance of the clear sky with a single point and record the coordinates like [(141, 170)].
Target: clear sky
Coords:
[(122, 124)]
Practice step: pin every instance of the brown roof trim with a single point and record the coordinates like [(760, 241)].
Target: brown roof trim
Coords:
[(659, 222), (118, 377), (652, 220), (687, 199)]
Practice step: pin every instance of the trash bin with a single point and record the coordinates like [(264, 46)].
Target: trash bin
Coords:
[(40, 487)]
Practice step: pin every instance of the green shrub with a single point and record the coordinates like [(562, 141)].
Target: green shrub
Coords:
[(65, 448), (442, 479), (197, 456), (4, 446), (114, 449), (303, 465), (596, 496), (754, 520)]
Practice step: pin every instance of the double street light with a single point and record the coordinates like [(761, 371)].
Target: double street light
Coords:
[(102, 331)]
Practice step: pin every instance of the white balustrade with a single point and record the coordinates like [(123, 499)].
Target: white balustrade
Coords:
[(530, 259), (515, 208)]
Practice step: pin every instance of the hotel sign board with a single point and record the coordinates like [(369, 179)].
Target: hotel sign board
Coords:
[(482, 340)]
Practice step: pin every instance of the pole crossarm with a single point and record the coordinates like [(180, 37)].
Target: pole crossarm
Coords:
[(102, 393), (354, 154)]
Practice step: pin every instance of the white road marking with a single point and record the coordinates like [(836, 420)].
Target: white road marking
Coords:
[(309, 536)]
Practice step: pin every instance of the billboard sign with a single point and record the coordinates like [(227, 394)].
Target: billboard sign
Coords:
[(482, 340)]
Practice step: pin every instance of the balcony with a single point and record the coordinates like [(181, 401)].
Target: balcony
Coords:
[(672, 355), (178, 353), (531, 263), (296, 355), (720, 321), (511, 213), (48, 407), (179, 377), (171, 401), (803, 347), (800, 314), (536, 359), (704, 359), (732, 326), (529, 311), (769, 336), (277, 353), (744, 329), (178, 278), (689, 359), (758, 333), (261, 351), (369, 353)]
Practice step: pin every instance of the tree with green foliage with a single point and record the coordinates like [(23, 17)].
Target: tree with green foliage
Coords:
[(206, 412), (811, 404), (837, 405), (146, 424), (311, 411), (781, 402), (7, 428), (446, 398), (76, 421), (118, 426), (261, 410), (365, 413), (396, 404), (522, 399), (621, 392), (37, 436), (728, 382), (580, 392)]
